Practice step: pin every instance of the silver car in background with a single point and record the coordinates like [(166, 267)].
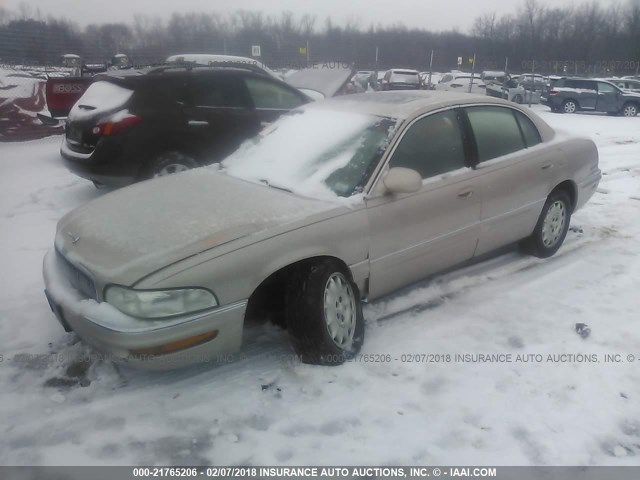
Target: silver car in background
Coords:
[(338, 202)]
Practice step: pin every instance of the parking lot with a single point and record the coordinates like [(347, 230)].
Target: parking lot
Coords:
[(418, 393)]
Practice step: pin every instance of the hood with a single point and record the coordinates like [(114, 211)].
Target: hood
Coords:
[(130, 233), (327, 79)]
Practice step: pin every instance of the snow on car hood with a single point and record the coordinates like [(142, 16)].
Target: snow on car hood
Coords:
[(135, 231)]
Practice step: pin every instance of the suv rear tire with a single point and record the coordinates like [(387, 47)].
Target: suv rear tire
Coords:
[(569, 106), (168, 163)]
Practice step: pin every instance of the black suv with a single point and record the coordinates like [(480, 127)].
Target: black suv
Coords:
[(134, 125), (569, 95)]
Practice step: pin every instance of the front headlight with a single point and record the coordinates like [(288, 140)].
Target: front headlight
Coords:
[(154, 304)]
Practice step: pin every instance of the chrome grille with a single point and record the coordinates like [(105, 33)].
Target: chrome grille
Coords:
[(78, 279)]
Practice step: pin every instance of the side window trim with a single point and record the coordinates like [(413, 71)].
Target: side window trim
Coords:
[(519, 122), (469, 139)]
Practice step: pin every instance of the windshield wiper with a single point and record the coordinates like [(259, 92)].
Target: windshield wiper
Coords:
[(266, 182)]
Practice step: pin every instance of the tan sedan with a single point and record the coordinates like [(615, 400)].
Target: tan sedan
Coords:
[(337, 203)]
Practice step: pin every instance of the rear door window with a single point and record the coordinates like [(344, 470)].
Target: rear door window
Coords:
[(496, 131), (219, 91), (269, 95), (606, 88)]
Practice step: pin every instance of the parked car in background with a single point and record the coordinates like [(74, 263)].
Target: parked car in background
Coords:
[(63, 91), (571, 95), (401, 79), (627, 84), (340, 201), (435, 78), (365, 78), (510, 89), (533, 82), (490, 76), (141, 124), (460, 82)]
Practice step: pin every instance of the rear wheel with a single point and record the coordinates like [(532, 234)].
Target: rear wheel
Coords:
[(569, 106), (168, 163), (552, 226), (324, 314), (630, 110)]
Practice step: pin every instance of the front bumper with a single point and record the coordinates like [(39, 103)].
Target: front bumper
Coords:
[(118, 337)]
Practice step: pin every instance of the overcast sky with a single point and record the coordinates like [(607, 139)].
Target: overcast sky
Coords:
[(429, 14)]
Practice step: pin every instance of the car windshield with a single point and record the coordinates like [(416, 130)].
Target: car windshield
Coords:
[(314, 152)]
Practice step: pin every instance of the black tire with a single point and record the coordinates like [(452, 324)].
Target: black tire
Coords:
[(552, 226), (308, 292), (569, 106), (167, 163), (630, 109)]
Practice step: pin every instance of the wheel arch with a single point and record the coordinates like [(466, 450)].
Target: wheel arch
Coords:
[(267, 300), (570, 187)]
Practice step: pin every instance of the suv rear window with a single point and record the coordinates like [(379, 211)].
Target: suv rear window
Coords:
[(101, 96), (581, 84)]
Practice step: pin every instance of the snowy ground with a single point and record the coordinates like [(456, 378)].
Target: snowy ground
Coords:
[(268, 409)]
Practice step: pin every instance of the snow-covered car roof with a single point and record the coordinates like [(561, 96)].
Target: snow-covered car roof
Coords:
[(211, 60)]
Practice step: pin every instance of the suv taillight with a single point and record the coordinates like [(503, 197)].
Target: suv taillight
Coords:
[(116, 123), (553, 92)]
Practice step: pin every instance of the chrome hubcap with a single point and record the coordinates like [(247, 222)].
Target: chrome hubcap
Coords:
[(630, 111), (340, 310), (553, 224), (570, 107), (171, 169)]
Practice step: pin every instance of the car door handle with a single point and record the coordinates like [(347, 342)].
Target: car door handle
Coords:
[(466, 194), (547, 166), (198, 123)]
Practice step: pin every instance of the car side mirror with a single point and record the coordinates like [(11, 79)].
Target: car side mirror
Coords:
[(402, 180)]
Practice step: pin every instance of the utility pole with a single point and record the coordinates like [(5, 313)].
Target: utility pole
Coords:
[(430, 71), (473, 69)]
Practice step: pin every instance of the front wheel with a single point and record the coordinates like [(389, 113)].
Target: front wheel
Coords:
[(630, 110), (324, 314), (552, 226)]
